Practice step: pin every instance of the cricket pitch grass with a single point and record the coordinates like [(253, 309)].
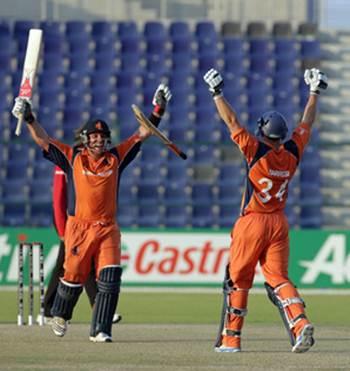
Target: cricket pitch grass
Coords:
[(175, 341)]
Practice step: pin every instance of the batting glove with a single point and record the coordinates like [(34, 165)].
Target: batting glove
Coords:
[(316, 79), (215, 82), (160, 99), (23, 108)]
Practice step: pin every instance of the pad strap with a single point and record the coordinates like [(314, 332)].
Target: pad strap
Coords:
[(232, 333), (237, 312)]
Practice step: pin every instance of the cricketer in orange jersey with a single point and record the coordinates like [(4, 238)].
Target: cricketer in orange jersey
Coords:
[(261, 232), (93, 176)]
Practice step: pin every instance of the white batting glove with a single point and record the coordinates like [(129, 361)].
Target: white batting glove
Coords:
[(215, 82), (160, 99), (23, 108), (316, 79)]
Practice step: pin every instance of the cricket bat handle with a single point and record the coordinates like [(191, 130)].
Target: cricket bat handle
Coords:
[(19, 126)]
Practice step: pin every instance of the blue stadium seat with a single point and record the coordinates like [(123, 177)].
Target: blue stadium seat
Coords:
[(103, 30), (41, 214), (52, 29), (14, 191), (261, 47), (182, 46), (14, 215), (22, 27), (310, 49), (131, 62), (54, 63), (202, 216), (149, 216), (127, 30), (152, 153), (311, 217), (177, 174), (127, 194), (205, 30), (5, 29), (228, 213), (182, 62), (55, 45), (40, 190), (179, 30), (176, 216), (148, 194), (127, 215), (230, 174), (77, 31), (101, 78), (106, 61), (155, 30), (202, 193), (287, 47), (175, 195), (234, 46), (151, 175)]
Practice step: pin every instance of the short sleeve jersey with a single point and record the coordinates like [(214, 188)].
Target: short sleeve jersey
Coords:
[(92, 186), (269, 170)]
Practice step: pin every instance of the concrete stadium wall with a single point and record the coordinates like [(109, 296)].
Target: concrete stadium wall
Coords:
[(216, 10)]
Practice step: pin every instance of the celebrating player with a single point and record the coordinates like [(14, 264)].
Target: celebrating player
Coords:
[(59, 191), (93, 175), (261, 232)]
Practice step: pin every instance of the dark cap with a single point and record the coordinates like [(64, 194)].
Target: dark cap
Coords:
[(96, 126)]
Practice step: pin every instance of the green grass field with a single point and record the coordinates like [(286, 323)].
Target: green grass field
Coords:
[(196, 308), (177, 331)]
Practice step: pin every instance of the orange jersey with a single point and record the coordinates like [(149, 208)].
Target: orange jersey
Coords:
[(92, 186), (269, 170)]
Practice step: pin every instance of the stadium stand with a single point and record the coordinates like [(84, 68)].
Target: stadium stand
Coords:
[(101, 68)]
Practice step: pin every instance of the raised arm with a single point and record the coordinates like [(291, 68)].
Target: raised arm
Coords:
[(226, 112), (160, 100), (23, 108), (317, 81)]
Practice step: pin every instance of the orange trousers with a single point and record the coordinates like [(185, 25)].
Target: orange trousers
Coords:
[(86, 242), (262, 238)]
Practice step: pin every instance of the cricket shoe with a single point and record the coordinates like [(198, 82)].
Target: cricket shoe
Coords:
[(59, 326), (223, 349), (101, 337), (116, 318), (304, 340)]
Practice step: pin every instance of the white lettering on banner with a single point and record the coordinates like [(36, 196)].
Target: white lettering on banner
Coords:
[(330, 260), (5, 249)]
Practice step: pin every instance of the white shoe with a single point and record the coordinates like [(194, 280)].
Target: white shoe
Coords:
[(101, 337), (59, 326), (116, 318), (305, 340), (223, 349)]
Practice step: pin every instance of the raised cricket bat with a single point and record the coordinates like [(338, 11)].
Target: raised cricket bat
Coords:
[(143, 120), (29, 69)]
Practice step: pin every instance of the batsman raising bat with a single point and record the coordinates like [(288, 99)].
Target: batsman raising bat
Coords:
[(261, 232), (92, 233)]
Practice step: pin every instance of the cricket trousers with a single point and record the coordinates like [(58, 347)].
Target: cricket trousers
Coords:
[(86, 242), (263, 238)]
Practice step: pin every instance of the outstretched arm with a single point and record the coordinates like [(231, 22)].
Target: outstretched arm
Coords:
[(23, 108), (226, 112), (160, 100), (317, 81)]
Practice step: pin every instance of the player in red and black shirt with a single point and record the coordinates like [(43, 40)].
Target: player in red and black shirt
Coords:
[(261, 232), (91, 234)]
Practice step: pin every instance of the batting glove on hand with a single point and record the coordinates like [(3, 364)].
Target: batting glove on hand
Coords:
[(316, 79), (23, 108), (215, 82), (160, 99)]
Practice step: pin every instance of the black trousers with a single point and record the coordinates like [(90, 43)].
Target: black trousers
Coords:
[(90, 284)]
